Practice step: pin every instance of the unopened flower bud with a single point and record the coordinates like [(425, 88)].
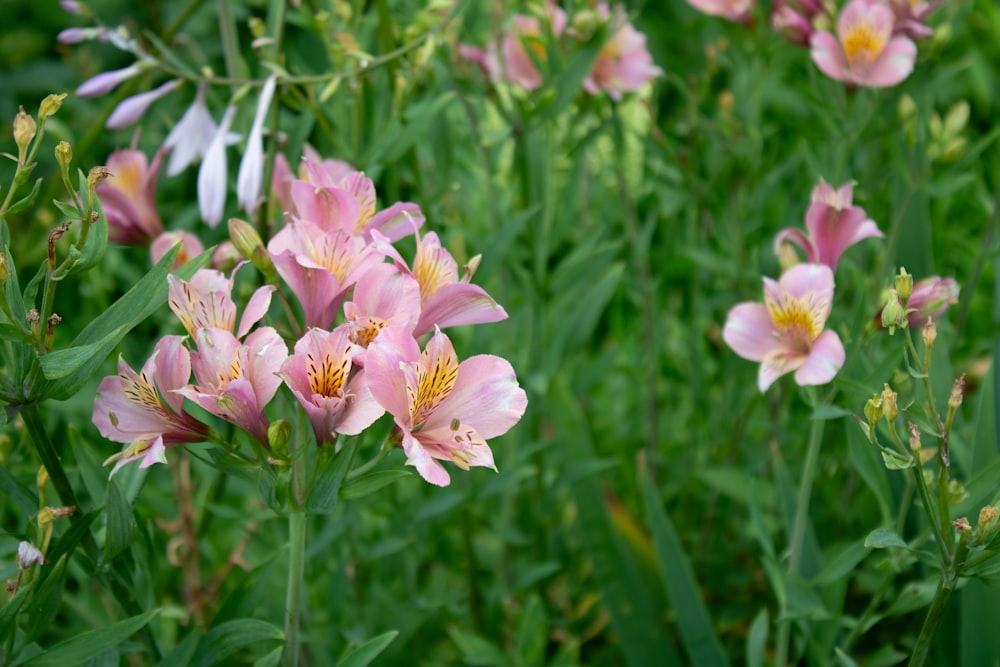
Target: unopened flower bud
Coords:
[(914, 437), (470, 267), (957, 392), (49, 106), (42, 479), (929, 333), (987, 517), (787, 257), (278, 434), (64, 153), (904, 284), (893, 314), (4, 267), (889, 407), (249, 244), (962, 525), (28, 554), (873, 410), (24, 132)]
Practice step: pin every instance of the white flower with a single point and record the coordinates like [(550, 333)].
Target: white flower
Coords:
[(251, 173), (132, 108), (212, 181)]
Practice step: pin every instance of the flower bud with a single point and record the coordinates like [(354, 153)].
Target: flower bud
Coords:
[(64, 153), (28, 554), (987, 517), (278, 434), (904, 284), (873, 410), (957, 392), (24, 132), (249, 244), (893, 314), (962, 525), (914, 437), (50, 105), (96, 176), (4, 267), (889, 406), (929, 333), (787, 257)]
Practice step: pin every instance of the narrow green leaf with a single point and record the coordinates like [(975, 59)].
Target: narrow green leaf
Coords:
[(895, 461), (272, 659), (122, 528), (95, 245), (83, 647), (757, 639), (183, 652), (697, 634), (59, 364), (11, 608), (476, 650), (46, 601), (844, 659), (883, 538), (20, 495), (362, 655), (226, 639), (331, 469), (830, 412), (23, 203), (841, 564), (369, 483), (532, 632)]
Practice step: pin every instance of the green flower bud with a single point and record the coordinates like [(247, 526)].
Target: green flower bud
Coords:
[(904, 284), (893, 314)]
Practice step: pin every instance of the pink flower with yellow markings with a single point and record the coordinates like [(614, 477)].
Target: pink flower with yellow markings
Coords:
[(624, 64), (206, 302), (443, 409), (864, 52), (332, 389), (786, 332), (733, 10), (144, 410), (128, 197)]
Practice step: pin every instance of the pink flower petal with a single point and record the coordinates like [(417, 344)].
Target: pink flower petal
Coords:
[(825, 358), (486, 396), (829, 57), (750, 332)]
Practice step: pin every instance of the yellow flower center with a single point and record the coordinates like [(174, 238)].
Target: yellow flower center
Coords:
[(433, 386), (862, 44), (795, 321), (326, 377)]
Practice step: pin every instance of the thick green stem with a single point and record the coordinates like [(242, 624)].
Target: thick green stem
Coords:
[(293, 599), (799, 525)]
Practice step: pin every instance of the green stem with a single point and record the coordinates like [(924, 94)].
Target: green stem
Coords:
[(933, 619), (230, 43), (799, 525), (293, 599)]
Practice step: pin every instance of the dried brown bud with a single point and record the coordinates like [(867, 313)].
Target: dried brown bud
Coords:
[(961, 524), (889, 407), (96, 176), (33, 316), (929, 333), (914, 437), (957, 392)]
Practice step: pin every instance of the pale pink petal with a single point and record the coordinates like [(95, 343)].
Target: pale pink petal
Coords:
[(825, 358), (362, 410), (156, 453), (894, 64), (256, 309), (458, 304), (750, 332), (777, 364), (798, 237), (266, 352), (486, 396), (330, 209), (105, 82), (829, 57), (396, 222), (812, 280), (392, 348), (171, 365), (418, 457), (131, 109)]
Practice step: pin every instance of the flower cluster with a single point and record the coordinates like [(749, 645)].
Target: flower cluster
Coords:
[(365, 308), (623, 64), (873, 44)]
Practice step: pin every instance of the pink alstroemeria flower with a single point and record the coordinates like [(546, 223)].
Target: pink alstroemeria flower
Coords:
[(833, 223), (910, 17), (785, 333), (319, 267), (732, 10), (327, 172), (864, 51), (237, 380), (444, 410), (207, 302), (509, 60), (332, 389), (624, 64), (384, 296), (144, 410), (128, 197), (445, 300), (190, 247)]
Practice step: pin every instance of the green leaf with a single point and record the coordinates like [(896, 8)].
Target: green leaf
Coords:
[(532, 632), (272, 659), (895, 461), (830, 412), (46, 601), (226, 639), (883, 538), (476, 650), (20, 495), (697, 634), (122, 528), (331, 469), (362, 655), (11, 608), (59, 364), (840, 565), (183, 652), (369, 483), (93, 247), (757, 639), (26, 201), (83, 647)]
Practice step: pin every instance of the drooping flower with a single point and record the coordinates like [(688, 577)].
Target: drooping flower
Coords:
[(732, 10), (190, 247), (864, 51), (445, 300), (236, 381), (251, 172), (624, 64), (132, 108), (443, 409), (786, 333), (213, 180), (206, 302), (191, 136), (144, 410), (332, 389), (128, 197), (833, 224), (105, 82)]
